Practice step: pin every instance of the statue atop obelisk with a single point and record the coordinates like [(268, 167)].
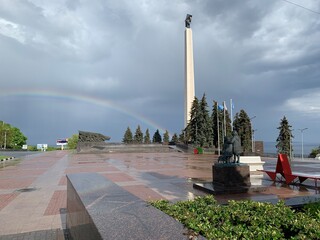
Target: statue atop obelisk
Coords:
[(189, 71)]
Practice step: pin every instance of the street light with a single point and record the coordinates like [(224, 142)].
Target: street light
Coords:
[(253, 140), (291, 153), (252, 137), (301, 130)]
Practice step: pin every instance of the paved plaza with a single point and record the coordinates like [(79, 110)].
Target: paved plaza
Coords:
[(33, 192)]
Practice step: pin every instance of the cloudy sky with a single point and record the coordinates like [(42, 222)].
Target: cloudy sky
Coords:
[(104, 65)]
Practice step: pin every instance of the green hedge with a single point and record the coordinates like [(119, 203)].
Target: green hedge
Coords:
[(244, 219)]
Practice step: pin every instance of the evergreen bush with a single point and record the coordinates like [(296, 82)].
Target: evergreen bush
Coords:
[(244, 219)]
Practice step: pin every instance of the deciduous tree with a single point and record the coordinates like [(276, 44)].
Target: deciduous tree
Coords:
[(11, 137), (314, 152), (73, 141)]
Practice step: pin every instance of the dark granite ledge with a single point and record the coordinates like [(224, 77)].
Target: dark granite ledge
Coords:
[(99, 209)]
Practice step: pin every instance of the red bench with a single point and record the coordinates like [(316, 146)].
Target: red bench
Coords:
[(284, 169)]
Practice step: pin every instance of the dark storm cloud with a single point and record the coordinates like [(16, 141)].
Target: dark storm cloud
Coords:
[(264, 55)]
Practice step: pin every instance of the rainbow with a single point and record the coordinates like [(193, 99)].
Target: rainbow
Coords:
[(84, 99)]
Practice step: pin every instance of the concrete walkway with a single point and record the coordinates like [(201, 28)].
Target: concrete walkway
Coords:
[(33, 193)]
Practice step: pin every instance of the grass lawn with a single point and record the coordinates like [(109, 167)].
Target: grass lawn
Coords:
[(12, 162)]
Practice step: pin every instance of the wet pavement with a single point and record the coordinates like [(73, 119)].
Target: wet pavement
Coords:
[(33, 192), (17, 154)]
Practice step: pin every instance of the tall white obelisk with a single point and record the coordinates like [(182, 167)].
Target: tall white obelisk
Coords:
[(189, 71)]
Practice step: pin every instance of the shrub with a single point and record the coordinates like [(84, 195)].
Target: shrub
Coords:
[(312, 210), (243, 219), (314, 152), (32, 148)]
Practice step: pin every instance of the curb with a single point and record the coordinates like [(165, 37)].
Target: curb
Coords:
[(6, 159)]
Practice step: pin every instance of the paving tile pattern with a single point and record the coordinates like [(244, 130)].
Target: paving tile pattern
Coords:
[(16, 183), (5, 199), (57, 202), (63, 181), (149, 176), (52, 234)]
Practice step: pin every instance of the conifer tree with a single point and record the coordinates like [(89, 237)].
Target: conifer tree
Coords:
[(127, 138), (157, 137), (193, 124), (215, 119), (285, 137), (242, 124), (205, 131), (147, 137), (183, 136), (166, 137), (138, 136), (220, 117), (175, 138)]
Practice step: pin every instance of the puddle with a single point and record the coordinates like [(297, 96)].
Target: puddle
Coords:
[(26, 190)]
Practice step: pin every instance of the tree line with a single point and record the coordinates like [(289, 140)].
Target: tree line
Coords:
[(11, 137), (209, 128), (138, 137), (205, 128)]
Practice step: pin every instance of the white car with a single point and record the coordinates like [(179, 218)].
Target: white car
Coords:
[(317, 157)]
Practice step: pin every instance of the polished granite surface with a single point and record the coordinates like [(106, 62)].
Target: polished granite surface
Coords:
[(114, 212), (148, 176)]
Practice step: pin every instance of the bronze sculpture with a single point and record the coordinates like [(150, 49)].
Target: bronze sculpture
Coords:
[(227, 151), (188, 20), (231, 147), (236, 146)]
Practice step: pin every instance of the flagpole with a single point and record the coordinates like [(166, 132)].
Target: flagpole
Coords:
[(224, 118), (218, 128), (231, 106)]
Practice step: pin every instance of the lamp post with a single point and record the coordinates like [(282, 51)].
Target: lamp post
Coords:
[(252, 137), (291, 155), (253, 140), (301, 130)]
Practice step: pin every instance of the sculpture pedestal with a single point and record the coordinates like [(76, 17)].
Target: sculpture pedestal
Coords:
[(254, 162), (231, 178)]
